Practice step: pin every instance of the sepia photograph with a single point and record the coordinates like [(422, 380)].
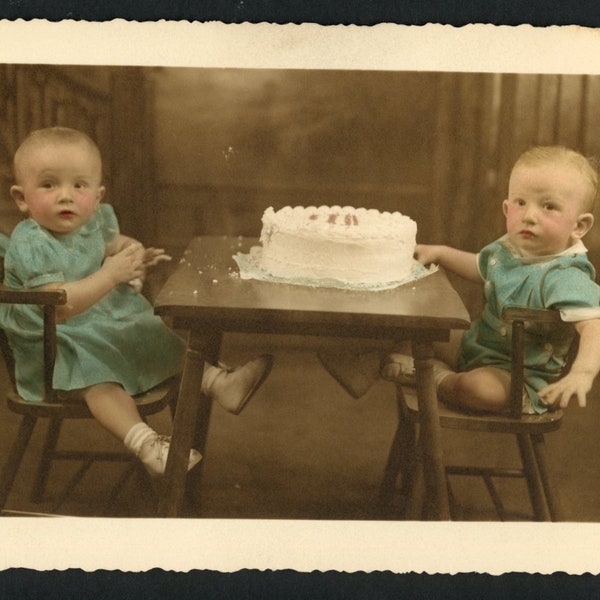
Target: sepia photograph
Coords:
[(326, 295)]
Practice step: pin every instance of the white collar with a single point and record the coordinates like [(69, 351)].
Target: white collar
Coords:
[(577, 248)]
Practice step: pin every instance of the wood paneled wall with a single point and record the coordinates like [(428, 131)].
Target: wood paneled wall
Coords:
[(486, 121), (111, 104), (438, 146), (196, 151)]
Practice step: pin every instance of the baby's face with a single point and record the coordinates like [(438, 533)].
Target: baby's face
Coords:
[(544, 208), (59, 185)]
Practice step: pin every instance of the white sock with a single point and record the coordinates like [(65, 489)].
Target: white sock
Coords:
[(137, 435), (208, 378), (440, 371)]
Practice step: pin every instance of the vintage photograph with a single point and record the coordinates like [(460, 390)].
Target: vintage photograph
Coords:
[(200, 155), (337, 294)]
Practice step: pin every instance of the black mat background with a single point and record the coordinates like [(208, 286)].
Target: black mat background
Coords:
[(25, 584)]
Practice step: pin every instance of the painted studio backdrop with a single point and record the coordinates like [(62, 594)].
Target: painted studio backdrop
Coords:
[(192, 152), (205, 151)]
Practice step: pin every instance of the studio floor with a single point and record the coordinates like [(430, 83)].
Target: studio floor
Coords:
[(304, 449)]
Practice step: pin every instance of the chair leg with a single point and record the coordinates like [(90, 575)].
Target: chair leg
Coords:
[(412, 488), (400, 457), (130, 470), (496, 500), (13, 461), (452, 501), (398, 465), (532, 475), (392, 469), (39, 487), (415, 494), (554, 505), (72, 483)]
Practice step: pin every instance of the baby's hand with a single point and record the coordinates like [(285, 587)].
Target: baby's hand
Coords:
[(574, 384), (427, 254), (152, 256), (137, 284), (126, 264)]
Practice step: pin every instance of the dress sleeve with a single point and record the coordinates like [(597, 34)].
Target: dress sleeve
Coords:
[(4, 241), (574, 292), (483, 259), (109, 225), (32, 261)]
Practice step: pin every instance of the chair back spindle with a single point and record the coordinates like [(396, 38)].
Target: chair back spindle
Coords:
[(517, 378), (49, 351), (518, 316)]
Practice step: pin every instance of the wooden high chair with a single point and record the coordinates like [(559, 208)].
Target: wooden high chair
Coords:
[(56, 412), (529, 430)]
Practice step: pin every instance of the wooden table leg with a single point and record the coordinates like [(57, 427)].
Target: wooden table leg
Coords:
[(436, 491), (192, 406)]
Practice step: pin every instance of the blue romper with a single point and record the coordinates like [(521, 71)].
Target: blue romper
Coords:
[(564, 281), (119, 339)]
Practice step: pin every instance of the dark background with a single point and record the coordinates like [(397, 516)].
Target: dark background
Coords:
[(325, 12), (24, 584)]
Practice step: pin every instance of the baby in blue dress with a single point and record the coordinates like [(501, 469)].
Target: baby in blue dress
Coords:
[(110, 344), (540, 262)]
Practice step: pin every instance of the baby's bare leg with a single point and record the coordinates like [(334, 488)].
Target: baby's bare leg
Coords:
[(117, 412), (448, 352), (113, 408), (484, 388)]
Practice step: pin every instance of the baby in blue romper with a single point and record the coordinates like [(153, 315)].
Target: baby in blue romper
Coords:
[(110, 344), (540, 262)]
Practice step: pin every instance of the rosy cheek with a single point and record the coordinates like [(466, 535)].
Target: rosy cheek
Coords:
[(511, 215)]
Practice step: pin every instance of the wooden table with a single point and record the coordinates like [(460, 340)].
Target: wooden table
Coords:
[(206, 297)]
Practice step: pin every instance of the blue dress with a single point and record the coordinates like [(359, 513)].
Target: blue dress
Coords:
[(564, 282), (119, 339)]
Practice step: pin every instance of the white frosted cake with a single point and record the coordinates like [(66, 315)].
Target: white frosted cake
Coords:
[(354, 246)]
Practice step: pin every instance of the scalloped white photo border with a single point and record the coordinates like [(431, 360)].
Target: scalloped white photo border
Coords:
[(231, 545)]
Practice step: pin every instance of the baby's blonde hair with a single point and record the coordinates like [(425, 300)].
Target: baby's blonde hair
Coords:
[(52, 135), (560, 154)]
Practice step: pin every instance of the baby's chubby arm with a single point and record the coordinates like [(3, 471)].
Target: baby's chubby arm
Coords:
[(119, 243), (458, 261), (578, 381), (121, 267)]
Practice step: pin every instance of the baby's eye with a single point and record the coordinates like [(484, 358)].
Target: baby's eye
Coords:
[(48, 185), (549, 206)]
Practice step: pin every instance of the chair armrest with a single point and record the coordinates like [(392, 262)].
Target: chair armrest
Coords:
[(49, 300), (39, 297), (538, 315)]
